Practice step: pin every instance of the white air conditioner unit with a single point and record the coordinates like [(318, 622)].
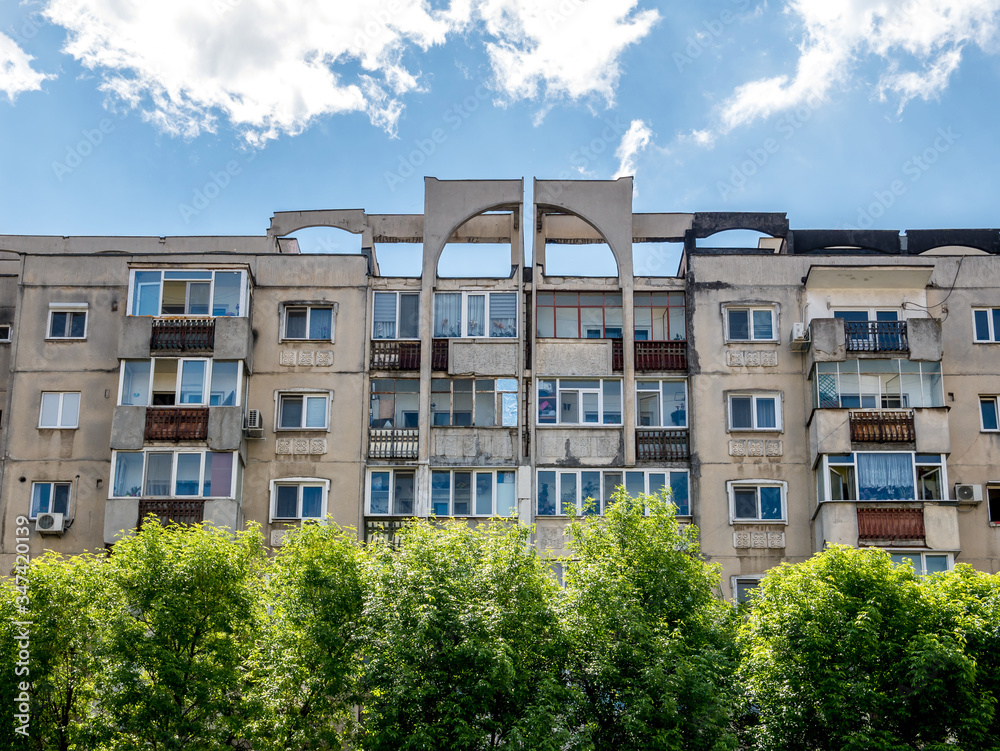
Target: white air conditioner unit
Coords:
[(800, 338), (50, 524), (254, 426), (969, 493)]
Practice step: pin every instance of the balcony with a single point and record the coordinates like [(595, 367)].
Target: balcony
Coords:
[(883, 427), (386, 530), (651, 356), (405, 355), (172, 510), (661, 444), (876, 336), (182, 335), (891, 526), (176, 424), (392, 443)]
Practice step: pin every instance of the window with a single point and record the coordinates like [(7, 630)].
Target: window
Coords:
[(660, 316), (993, 503), (5, 330), (756, 501), (67, 321), (924, 563), (750, 324), (469, 314), (173, 381), (392, 492), (580, 315), (188, 292), (986, 324), (473, 493), (309, 322), (573, 492), (49, 498), (661, 404), (575, 401), (303, 411), (394, 403), (755, 411), (877, 384), (884, 476), (299, 498), (396, 315), (60, 409), (479, 402), (745, 586), (175, 474), (988, 414)]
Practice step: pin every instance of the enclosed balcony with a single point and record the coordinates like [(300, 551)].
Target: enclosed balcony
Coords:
[(176, 423), (392, 443), (883, 427), (651, 356), (661, 444), (172, 510), (891, 526), (182, 335)]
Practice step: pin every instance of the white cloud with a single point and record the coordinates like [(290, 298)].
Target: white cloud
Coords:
[(636, 138), (16, 73), (919, 42)]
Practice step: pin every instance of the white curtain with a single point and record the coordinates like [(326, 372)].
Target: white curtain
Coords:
[(448, 314), (885, 477)]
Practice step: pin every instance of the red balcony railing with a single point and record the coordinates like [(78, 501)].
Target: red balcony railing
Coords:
[(900, 525), (172, 510), (439, 354), (883, 427), (651, 356), (662, 444), (876, 336), (395, 355), (182, 334), (176, 423), (392, 443)]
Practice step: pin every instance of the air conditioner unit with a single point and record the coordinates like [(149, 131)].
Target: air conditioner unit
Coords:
[(254, 425), (800, 338), (969, 493), (50, 524)]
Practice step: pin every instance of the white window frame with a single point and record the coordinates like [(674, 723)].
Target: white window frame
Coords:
[(233, 480), (495, 395), (33, 514), (919, 558), (473, 471), (754, 396), (280, 396), (488, 304), (207, 392), (994, 334), (397, 337), (559, 390), (757, 484), (853, 368), (602, 471), (826, 489), (242, 306), (299, 482), (772, 309), (392, 490), (735, 580), (6, 332), (309, 308), (996, 413), (61, 396), (662, 400), (81, 308)]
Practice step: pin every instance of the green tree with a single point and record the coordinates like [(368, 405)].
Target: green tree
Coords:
[(182, 607), (463, 649), (849, 651), (306, 665), (651, 657)]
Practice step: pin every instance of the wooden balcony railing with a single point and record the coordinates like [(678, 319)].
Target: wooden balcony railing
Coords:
[(439, 354), (384, 529), (182, 334), (392, 443), (651, 356), (172, 510), (661, 444), (876, 336), (176, 423), (617, 355), (395, 355), (902, 525), (883, 427)]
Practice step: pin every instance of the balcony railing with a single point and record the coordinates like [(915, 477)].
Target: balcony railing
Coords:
[(662, 444), (172, 510), (900, 525), (883, 427), (182, 335), (384, 529), (876, 336), (651, 356), (439, 354), (176, 423), (405, 355), (392, 443)]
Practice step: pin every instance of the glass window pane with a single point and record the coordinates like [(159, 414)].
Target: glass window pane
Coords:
[(982, 325), (193, 382), (218, 474), (380, 493), (657, 481), (546, 493), (546, 401), (741, 408), (70, 410), (486, 409), (484, 493), (225, 380), (611, 482), (227, 293), (675, 319), (506, 495), (503, 314), (506, 384), (295, 323), (590, 492), (591, 323), (679, 492), (648, 408), (476, 315), (198, 293), (885, 477), (996, 324), (461, 408), (745, 503), (612, 402), (569, 407), (135, 383), (509, 404), (41, 497), (158, 466), (988, 408), (60, 498), (128, 475), (320, 323), (567, 494), (384, 315), (934, 564), (50, 410), (591, 413), (635, 483), (58, 324), (291, 412), (546, 322), (770, 503), (287, 501), (448, 314), (316, 411), (762, 325), (739, 324), (440, 493), (462, 502), (567, 323), (188, 474), (146, 295), (402, 502), (409, 315), (766, 412), (312, 502)]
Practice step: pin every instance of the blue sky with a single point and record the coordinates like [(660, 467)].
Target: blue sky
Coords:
[(206, 116)]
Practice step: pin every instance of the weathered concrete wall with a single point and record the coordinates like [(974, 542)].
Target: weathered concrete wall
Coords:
[(128, 428), (933, 430), (223, 513), (483, 357), (573, 357), (233, 339), (468, 447), (133, 341), (827, 341), (836, 524), (924, 336), (591, 447), (941, 527), (121, 517), (829, 433), (225, 428)]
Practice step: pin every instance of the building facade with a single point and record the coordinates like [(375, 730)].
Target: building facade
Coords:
[(821, 387)]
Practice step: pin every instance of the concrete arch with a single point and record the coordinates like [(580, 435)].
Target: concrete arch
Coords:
[(355, 221)]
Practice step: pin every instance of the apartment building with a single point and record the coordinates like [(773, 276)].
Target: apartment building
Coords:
[(820, 387)]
